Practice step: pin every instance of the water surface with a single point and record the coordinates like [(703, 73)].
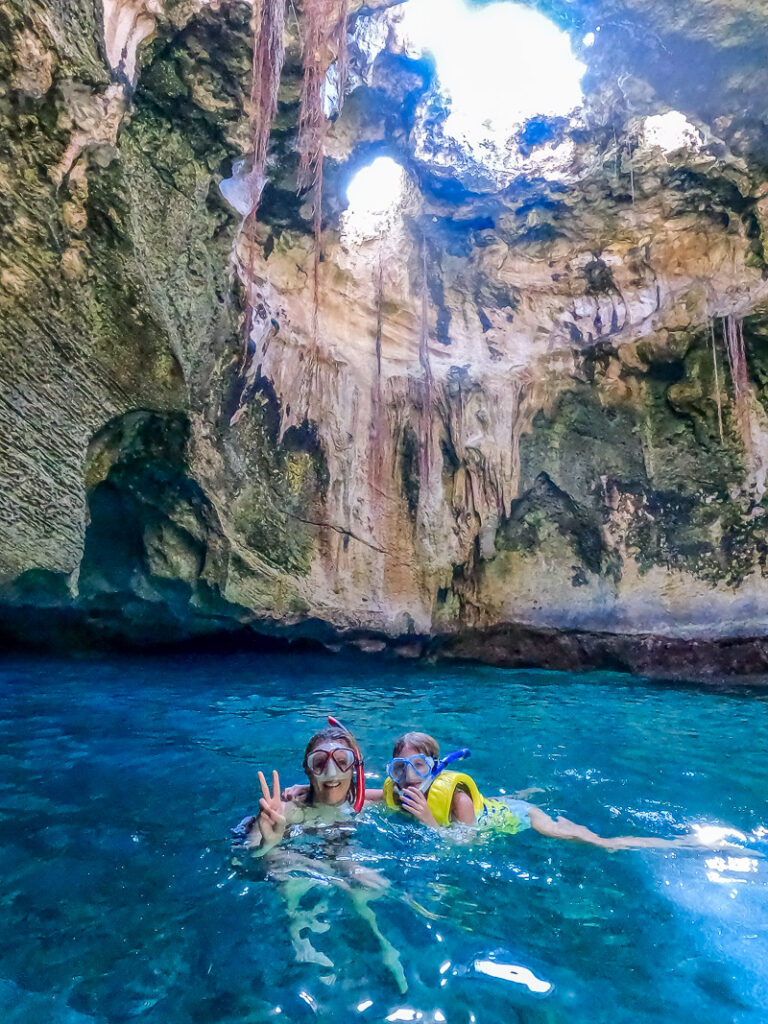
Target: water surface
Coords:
[(119, 780)]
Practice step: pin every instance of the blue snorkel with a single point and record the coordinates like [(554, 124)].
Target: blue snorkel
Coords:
[(457, 755)]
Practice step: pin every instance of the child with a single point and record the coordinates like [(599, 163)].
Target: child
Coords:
[(442, 798)]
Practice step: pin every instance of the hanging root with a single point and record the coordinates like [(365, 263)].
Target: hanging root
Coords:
[(378, 417), (268, 24), (379, 315), (426, 405), (717, 381), (733, 336), (323, 39), (268, 58)]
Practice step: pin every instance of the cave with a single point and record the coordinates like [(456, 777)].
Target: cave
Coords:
[(393, 264), (383, 511)]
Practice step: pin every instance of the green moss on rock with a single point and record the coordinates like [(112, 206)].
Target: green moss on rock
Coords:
[(644, 450)]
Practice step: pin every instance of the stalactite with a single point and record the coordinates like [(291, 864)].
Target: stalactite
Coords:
[(521, 387), (717, 381), (733, 337)]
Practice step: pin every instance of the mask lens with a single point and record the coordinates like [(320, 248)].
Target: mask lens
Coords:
[(344, 758), (397, 770), (317, 761), (422, 765)]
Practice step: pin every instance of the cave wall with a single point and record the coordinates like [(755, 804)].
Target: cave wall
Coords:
[(507, 418)]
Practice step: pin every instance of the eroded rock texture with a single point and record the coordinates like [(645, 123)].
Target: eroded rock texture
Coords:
[(513, 432)]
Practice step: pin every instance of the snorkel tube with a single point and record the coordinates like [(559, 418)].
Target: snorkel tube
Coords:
[(359, 773), (455, 755)]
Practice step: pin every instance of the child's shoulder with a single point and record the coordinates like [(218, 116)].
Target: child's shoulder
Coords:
[(462, 807)]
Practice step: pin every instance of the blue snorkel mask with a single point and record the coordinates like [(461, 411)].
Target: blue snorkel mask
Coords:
[(425, 767)]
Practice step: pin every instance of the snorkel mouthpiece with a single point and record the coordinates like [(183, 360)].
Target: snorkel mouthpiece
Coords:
[(359, 772)]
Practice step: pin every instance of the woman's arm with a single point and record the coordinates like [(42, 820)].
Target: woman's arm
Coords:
[(300, 792), (267, 831)]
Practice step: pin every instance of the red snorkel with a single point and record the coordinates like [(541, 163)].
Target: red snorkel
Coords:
[(359, 773)]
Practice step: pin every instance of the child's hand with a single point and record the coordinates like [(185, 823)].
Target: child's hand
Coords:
[(414, 801), (272, 817), (298, 792)]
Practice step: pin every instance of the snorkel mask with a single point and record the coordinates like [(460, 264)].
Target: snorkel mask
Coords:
[(427, 768), (359, 772)]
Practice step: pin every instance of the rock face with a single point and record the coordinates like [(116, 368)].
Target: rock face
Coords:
[(518, 427)]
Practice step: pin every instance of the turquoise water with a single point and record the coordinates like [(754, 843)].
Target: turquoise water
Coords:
[(121, 899)]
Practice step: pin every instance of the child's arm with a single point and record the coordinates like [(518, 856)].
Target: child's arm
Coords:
[(414, 802), (299, 793), (462, 808)]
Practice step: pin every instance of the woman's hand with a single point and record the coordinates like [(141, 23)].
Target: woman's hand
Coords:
[(414, 801), (272, 817)]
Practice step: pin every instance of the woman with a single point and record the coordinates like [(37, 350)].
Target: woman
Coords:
[(334, 768)]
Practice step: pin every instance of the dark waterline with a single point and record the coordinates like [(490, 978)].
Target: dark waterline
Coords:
[(121, 776)]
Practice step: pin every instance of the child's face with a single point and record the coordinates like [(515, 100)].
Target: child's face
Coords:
[(412, 778)]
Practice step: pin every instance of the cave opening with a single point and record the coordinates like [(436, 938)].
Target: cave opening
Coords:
[(375, 194), (498, 66)]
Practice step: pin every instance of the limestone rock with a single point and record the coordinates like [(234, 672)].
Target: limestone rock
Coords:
[(514, 418)]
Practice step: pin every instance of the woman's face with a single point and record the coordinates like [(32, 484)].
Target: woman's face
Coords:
[(330, 783)]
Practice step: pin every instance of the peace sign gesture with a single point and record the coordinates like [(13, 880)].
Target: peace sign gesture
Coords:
[(272, 817)]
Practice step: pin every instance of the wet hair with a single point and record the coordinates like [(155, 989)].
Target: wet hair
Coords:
[(422, 741), (331, 734)]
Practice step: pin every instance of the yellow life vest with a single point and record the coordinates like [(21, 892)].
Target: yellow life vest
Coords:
[(488, 812)]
